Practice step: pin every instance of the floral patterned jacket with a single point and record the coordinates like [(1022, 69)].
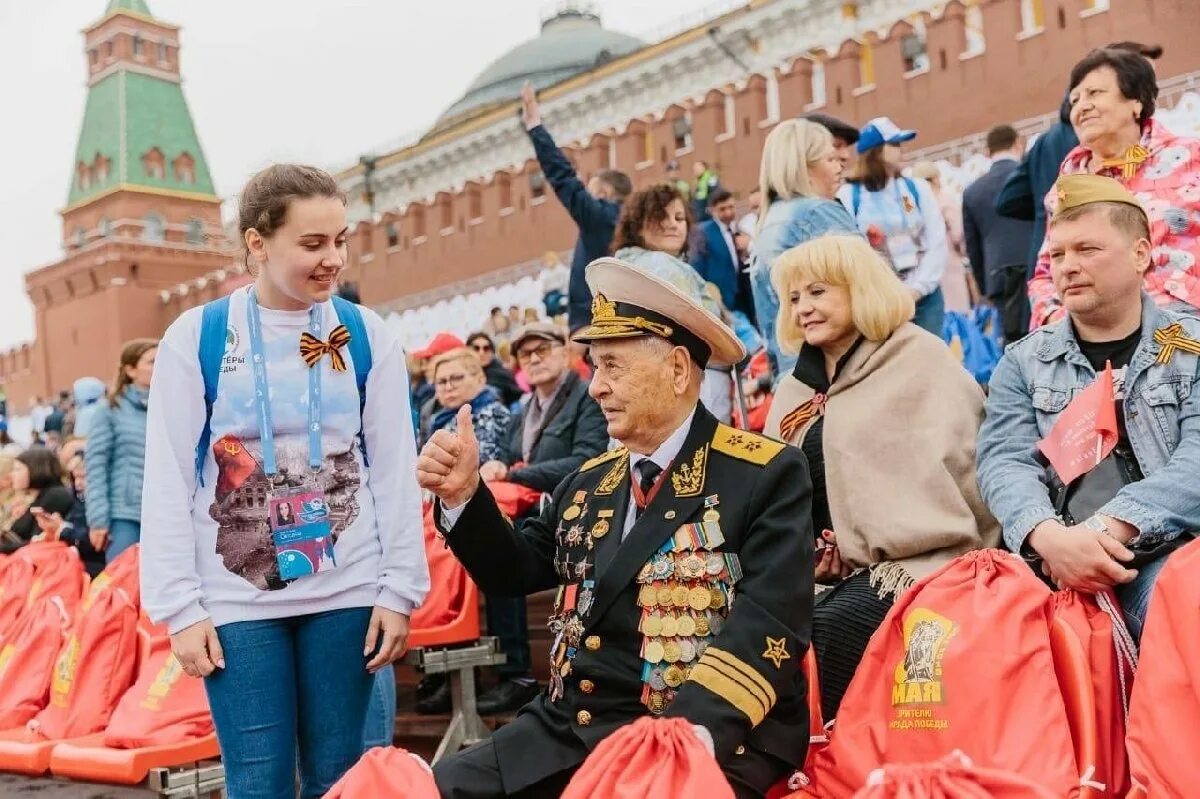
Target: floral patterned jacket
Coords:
[(1167, 183)]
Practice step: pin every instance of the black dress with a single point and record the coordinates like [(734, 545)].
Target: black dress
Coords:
[(52, 499), (848, 614)]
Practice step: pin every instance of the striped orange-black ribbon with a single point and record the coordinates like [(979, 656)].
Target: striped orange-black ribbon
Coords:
[(1129, 162), (1172, 338), (799, 417), (312, 349)]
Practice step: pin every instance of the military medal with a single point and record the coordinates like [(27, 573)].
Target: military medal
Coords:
[(663, 565), (679, 596), (699, 598), (673, 676), (580, 496), (687, 626), (664, 596), (658, 702), (656, 679), (572, 513), (600, 529), (671, 654), (574, 535), (687, 651), (692, 566), (586, 597), (645, 575), (718, 597), (714, 564), (702, 624), (652, 625), (716, 624), (669, 627), (654, 652), (647, 596)]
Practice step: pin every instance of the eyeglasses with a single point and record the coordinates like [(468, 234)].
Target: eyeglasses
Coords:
[(542, 352), (450, 381), (482, 347)]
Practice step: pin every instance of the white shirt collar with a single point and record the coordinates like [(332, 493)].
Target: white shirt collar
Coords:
[(667, 450)]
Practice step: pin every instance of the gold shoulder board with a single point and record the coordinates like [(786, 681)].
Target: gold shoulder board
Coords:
[(745, 446), (605, 457)]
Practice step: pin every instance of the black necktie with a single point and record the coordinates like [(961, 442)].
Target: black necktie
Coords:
[(648, 472)]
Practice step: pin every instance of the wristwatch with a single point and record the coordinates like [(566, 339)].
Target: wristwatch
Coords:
[(1097, 524)]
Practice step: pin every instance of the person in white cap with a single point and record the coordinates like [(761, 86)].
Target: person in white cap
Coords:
[(648, 546), (900, 217)]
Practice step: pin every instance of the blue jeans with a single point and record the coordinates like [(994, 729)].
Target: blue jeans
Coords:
[(380, 729), (931, 311), (122, 534), (291, 688), (1135, 597)]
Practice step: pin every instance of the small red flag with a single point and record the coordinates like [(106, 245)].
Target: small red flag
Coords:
[(1085, 432)]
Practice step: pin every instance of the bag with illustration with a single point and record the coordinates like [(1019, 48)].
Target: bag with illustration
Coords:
[(961, 662)]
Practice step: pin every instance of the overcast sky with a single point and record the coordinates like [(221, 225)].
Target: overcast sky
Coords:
[(266, 80)]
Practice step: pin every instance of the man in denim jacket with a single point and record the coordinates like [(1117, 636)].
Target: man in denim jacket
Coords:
[(1099, 246)]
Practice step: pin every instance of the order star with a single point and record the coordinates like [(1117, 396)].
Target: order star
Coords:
[(776, 651)]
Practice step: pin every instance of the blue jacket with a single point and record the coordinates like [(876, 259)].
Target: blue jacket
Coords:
[(1036, 379), (595, 218), (115, 459), (712, 259), (1024, 195), (788, 224)]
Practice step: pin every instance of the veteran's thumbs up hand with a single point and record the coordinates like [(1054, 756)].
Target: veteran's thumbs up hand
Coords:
[(449, 463)]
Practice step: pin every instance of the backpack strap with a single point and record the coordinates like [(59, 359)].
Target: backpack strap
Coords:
[(856, 196), (912, 189), (214, 326), (350, 315)]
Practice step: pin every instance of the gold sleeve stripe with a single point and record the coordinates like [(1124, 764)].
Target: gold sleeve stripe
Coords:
[(746, 673), (733, 692)]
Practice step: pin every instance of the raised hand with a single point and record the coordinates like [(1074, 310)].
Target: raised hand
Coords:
[(531, 113), (449, 464)]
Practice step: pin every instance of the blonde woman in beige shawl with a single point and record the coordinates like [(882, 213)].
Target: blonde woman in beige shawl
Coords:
[(887, 418)]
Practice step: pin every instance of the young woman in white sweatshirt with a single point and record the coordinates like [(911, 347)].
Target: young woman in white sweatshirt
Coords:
[(287, 653)]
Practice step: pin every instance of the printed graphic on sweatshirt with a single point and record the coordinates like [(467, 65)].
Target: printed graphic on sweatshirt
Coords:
[(242, 502)]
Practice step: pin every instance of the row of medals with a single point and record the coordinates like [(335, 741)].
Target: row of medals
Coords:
[(567, 627), (686, 592)]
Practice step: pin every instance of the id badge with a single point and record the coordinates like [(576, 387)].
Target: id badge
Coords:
[(903, 251), (302, 532)]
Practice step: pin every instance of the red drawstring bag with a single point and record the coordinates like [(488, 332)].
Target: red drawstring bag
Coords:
[(952, 777), (962, 661), (1164, 711), (164, 706), (27, 660), (95, 667), (447, 577), (121, 573), (386, 773), (39, 569), (1094, 658), (651, 757)]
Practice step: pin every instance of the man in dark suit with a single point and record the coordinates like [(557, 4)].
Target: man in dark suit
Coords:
[(648, 544), (594, 207), (715, 253), (559, 429), (998, 246)]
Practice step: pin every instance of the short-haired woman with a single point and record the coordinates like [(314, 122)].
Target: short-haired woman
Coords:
[(1112, 99), (900, 217), (287, 631), (652, 234), (116, 452), (887, 418), (37, 476), (798, 180), (458, 380)]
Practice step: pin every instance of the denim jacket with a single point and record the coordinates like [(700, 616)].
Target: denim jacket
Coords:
[(788, 224), (1031, 386)]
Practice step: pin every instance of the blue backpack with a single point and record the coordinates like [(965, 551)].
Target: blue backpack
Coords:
[(214, 326), (856, 194)]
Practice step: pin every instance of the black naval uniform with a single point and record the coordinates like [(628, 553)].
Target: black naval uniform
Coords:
[(703, 611)]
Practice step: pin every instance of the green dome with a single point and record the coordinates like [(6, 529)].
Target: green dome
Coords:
[(572, 41)]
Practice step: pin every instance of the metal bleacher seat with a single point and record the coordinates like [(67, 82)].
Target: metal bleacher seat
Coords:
[(456, 649)]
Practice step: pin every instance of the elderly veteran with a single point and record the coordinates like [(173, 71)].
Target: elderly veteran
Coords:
[(683, 561), (1094, 525)]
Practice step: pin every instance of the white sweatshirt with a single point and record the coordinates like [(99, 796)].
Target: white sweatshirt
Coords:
[(207, 549)]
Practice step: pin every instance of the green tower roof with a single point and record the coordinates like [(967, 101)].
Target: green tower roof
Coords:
[(129, 116), (136, 6)]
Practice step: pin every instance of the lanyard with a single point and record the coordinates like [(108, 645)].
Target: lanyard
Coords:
[(262, 392)]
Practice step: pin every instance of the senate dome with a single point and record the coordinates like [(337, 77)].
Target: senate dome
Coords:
[(572, 41)]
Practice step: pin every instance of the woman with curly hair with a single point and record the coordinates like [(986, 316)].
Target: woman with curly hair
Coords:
[(652, 234)]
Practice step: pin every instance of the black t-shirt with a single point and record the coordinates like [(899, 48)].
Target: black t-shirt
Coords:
[(1119, 353)]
